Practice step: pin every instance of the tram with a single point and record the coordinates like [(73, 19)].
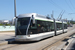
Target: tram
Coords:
[(34, 27)]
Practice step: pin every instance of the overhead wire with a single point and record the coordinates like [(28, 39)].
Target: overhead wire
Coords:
[(55, 4), (68, 5), (71, 4)]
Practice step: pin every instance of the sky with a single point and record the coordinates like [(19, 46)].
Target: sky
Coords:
[(43, 7)]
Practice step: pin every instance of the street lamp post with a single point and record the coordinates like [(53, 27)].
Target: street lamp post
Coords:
[(14, 19), (15, 8)]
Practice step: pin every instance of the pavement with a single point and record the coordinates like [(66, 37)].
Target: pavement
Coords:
[(71, 46), (5, 36), (66, 44)]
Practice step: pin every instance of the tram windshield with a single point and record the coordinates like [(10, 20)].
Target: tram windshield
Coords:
[(22, 25)]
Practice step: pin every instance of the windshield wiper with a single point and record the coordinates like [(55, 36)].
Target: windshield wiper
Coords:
[(19, 31)]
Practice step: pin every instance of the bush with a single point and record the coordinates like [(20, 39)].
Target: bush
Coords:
[(1, 24), (5, 24), (73, 22)]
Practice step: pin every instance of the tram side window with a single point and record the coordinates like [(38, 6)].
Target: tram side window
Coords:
[(59, 26), (65, 26), (47, 26), (51, 26), (32, 28), (43, 26)]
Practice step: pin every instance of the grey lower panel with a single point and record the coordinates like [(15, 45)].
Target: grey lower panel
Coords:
[(60, 32), (35, 39)]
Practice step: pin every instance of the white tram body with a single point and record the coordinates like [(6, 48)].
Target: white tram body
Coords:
[(34, 27), (65, 27), (59, 29)]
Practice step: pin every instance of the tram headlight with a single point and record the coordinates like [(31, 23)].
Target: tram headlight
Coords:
[(28, 35), (30, 32)]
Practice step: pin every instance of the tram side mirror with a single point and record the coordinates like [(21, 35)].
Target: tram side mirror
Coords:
[(32, 25), (13, 21), (33, 20)]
